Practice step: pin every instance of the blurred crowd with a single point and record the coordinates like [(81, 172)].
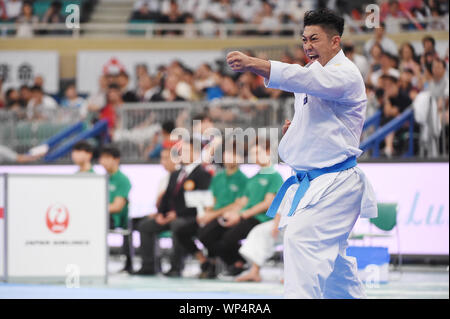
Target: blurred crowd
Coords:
[(268, 15), (394, 77), (22, 13)]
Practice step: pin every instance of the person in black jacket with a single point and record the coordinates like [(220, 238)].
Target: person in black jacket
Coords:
[(173, 212)]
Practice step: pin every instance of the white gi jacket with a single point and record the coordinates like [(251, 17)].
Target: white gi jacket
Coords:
[(330, 104)]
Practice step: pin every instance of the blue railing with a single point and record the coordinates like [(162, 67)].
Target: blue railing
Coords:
[(373, 120), (99, 128), (56, 139), (374, 140)]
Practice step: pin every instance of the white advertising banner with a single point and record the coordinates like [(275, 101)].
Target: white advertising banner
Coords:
[(57, 227), (419, 189), (2, 227), (21, 67), (92, 64)]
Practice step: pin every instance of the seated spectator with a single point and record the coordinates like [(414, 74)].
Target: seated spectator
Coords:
[(123, 81), (119, 190), (409, 61), (245, 90), (109, 111), (391, 19), (82, 153), (71, 98), (387, 63), (186, 85), (222, 237), (152, 5), (376, 53), (259, 247), (174, 15), (39, 81), (26, 21), (13, 9), (205, 79), (170, 166), (40, 104), (25, 95), (219, 11), (406, 85), (141, 70), (244, 11), (53, 13), (3, 15), (96, 101), (359, 60), (395, 102), (12, 103), (226, 186), (267, 21), (161, 141), (147, 88), (379, 37), (144, 14), (229, 87), (169, 92), (173, 212), (439, 88)]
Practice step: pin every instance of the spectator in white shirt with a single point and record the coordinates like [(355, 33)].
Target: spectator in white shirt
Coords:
[(244, 11), (358, 59), (388, 67), (380, 38), (219, 11), (40, 104), (26, 21), (13, 9)]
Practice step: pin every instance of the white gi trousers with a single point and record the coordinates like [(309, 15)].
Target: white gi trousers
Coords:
[(315, 238), (259, 246)]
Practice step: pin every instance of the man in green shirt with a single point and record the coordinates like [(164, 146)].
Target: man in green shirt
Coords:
[(222, 237), (82, 153), (119, 189), (226, 186)]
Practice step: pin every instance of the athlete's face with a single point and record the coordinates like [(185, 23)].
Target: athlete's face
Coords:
[(320, 45)]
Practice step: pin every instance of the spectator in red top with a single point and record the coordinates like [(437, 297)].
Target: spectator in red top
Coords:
[(113, 102)]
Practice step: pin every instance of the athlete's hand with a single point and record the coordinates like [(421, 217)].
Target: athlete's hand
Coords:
[(238, 61), (286, 125)]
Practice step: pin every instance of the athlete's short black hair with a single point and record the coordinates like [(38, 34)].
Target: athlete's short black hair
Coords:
[(327, 19), (83, 146)]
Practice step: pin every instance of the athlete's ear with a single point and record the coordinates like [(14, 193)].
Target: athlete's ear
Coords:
[(336, 41)]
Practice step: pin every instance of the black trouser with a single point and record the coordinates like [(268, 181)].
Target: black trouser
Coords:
[(149, 230), (224, 242), (127, 245), (185, 235)]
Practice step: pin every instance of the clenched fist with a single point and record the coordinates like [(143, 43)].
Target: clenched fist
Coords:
[(238, 61)]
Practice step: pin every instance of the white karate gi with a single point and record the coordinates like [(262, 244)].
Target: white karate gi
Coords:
[(330, 103)]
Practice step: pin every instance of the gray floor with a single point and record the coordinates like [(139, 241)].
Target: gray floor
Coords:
[(414, 282)]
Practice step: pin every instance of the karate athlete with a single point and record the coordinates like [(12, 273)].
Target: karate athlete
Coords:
[(321, 202)]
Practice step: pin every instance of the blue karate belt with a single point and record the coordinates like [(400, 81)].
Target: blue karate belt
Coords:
[(303, 178)]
